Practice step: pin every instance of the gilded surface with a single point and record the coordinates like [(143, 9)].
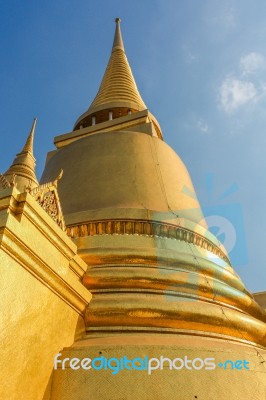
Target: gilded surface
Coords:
[(4, 182), (22, 171), (42, 298), (162, 270), (162, 384), (147, 228), (47, 196), (118, 88), (161, 283)]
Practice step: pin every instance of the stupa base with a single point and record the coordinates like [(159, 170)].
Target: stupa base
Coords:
[(202, 368)]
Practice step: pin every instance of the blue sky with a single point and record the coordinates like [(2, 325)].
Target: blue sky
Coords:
[(200, 67)]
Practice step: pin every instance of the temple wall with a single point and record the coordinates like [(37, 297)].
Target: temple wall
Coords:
[(42, 298), (260, 299)]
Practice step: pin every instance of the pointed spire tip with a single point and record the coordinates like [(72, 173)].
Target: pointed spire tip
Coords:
[(118, 41), (28, 147), (23, 166)]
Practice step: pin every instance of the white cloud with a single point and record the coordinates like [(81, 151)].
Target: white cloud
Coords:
[(235, 93), (245, 87), (251, 63), (203, 126)]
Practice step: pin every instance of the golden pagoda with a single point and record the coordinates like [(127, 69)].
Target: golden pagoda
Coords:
[(22, 169), (140, 299)]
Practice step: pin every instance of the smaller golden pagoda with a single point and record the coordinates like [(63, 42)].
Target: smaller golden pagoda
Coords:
[(22, 170)]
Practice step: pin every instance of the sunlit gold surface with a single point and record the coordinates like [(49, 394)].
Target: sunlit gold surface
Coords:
[(131, 208), (144, 276), (118, 92), (143, 179), (123, 169), (42, 298), (153, 266), (118, 88), (145, 228), (141, 121), (163, 384)]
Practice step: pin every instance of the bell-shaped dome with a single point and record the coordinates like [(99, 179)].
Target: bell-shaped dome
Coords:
[(123, 171)]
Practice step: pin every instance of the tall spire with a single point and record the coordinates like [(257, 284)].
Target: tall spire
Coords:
[(23, 166), (118, 41), (118, 91)]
